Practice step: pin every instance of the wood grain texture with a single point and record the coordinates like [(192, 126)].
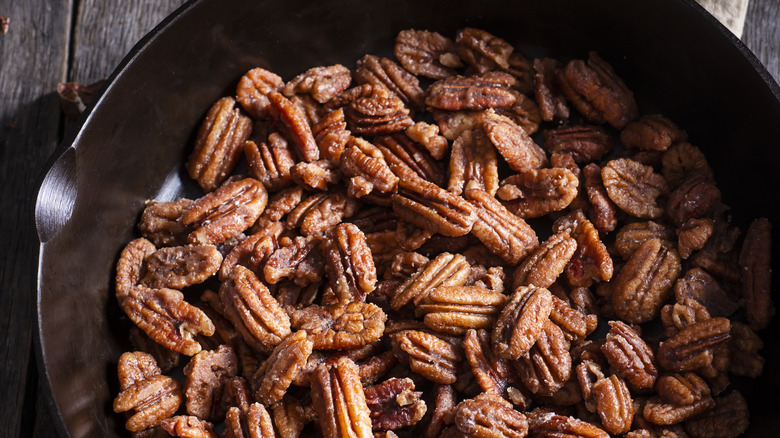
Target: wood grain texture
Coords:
[(762, 33), (33, 59)]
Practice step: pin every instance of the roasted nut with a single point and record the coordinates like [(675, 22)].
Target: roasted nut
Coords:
[(492, 372), (473, 164), (252, 423), (406, 263), (180, 266), (585, 143), (692, 347), (702, 287), (755, 260), (547, 262), (490, 415), (652, 132), (677, 316), (478, 92), (294, 126), (364, 165), (428, 355), (634, 187), (350, 267), (729, 418), (252, 91), (332, 135), (513, 143), (149, 396), (376, 111), (693, 235), (218, 144), (384, 72), (275, 375), (591, 261), (394, 404), (547, 365), (160, 222), (614, 404), (166, 359), (188, 426), (454, 123), (226, 212), (633, 235), (399, 149), (682, 389), (300, 261), (683, 160), (535, 193), (340, 327), (524, 112), (658, 412), (339, 400), (482, 50), (630, 356), (426, 53), (549, 425), (289, 418), (207, 373), (430, 207), (574, 323), (552, 103), (323, 83), (428, 136), (254, 251), (445, 270), (603, 211), (270, 163), (694, 198), (252, 310), (456, 309), (521, 321), (320, 212), (597, 92)]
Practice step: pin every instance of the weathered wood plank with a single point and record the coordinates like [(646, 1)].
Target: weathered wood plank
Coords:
[(33, 59), (762, 33)]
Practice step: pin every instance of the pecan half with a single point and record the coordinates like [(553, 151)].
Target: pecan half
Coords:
[(394, 404), (585, 143), (702, 287), (350, 267), (275, 375), (400, 149), (427, 53), (492, 372), (251, 423), (188, 426), (364, 165), (682, 389), (341, 327), (478, 92), (483, 50), (178, 267), (549, 425), (603, 211), (383, 72), (332, 135), (659, 412), (226, 212), (321, 211), (591, 261), (340, 401), (254, 251), (456, 309), (207, 373), (744, 345), (270, 162), (252, 310), (552, 103), (252, 91), (445, 270), (513, 143), (524, 112), (473, 164), (755, 260), (683, 160), (547, 262), (521, 321), (323, 83), (300, 261), (375, 111), (490, 415), (547, 365), (535, 193), (692, 347), (729, 418), (652, 132), (428, 136), (289, 418), (294, 125), (614, 404), (694, 198), (428, 355), (634, 187), (633, 235), (630, 356), (160, 222), (218, 144)]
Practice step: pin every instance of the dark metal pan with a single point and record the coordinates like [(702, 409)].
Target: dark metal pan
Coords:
[(131, 143)]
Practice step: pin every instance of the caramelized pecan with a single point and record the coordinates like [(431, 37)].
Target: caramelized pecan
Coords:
[(376, 111), (585, 143), (321, 211), (535, 193), (694, 198), (633, 235), (340, 401), (323, 83), (251, 423), (630, 356), (692, 347), (252, 91), (491, 371), (445, 270), (603, 211), (394, 404), (428, 355), (693, 235), (399, 149), (634, 187), (547, 365), (521, 321), (490, 415), (253, 251), (342, 326), (300, 261), (383, 72), (683, 160), (456, 309), (682, 389), (270, 162), (547, 262), (332, 135), (275, 375), (365, 166), (614, 404), (428, 136), (473, 164), (658, 412), (729, 418), (591, 261), (294, 125), (478, 92), (188, 426), (549, 425), (207, 373), (160, 222), (652, 132), (178, 267), (350, 267), (513, 142), (702, 287), (744, 345), (482, 50)]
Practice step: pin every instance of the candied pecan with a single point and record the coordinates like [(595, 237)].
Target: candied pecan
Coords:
[(482, 50), (253, 251), (316, 175), (521, 321), (552, 103), (340, 401), (323, 83), (491, 371), (428, 355), (683, 160), (591, 261), (270, 162), (702, 287), (585, 143), (547, 365), (149, 396), (645, 283), (253, 311), (383, 72), (394, 404), (294, 126), (430, 207), (630, 356), (456, 309), (312, 110), (342, 326), (428, 136), (365, 166), (332, 135), (634, 187), (274, 376), (453, 123), (445, 270), (633, 235), (692, 347), (300, 261), (512, 142), (252, 423), (614, 404), (477, 92), (406, 263), (218, 144), (189, 427), (399, 149), (473, 164), (427, 53), (375, 111), (350, 267), (206, 374), (445, 400), (693, 235), (597, 92), (744, 345), (652, 132), (490, 415), (289, 418), (729, 418), (603, 210), (180, 266), (252, 91), (160, 222), (376, 366), (694, 198), (226, 212), (321, 211), (755, 261), (658, 412), (550, 425), (547, 262), (573, 322), (677, 316), (535, 193), (588, 372), (682, 389)]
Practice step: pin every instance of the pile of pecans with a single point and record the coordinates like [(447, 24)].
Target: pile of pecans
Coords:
[(400, 257)]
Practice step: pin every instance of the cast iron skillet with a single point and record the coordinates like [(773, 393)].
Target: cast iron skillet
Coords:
[(131, 145)]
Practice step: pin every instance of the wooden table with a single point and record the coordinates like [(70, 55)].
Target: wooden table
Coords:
[(52, 41)]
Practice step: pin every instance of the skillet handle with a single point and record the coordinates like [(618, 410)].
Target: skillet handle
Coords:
[(57, 196)]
